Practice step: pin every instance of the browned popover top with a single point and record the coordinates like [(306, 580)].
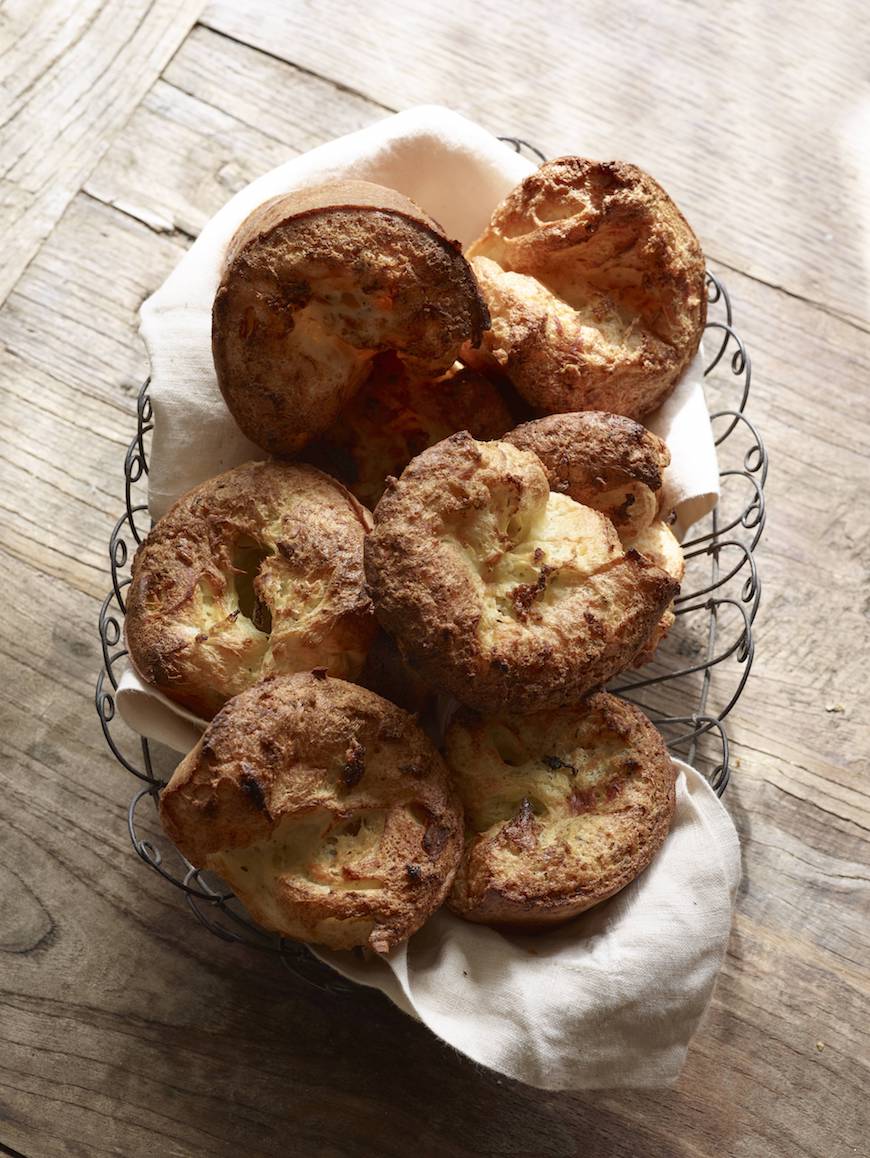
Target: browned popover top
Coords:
[(255, 571), (614, 465), (508, 596), (562, 808), (605, 461), (394, 416), (319, 281), (595, 284), (324, 807)]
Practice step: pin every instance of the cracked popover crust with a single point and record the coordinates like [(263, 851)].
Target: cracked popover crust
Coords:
[(595, 285), (562, 809), (324, 807), (504, 594), (317, 282), (394, 416), (614, 465), (602, 460), (258, 570)]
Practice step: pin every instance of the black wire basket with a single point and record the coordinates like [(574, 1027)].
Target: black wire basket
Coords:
[(688, 690)]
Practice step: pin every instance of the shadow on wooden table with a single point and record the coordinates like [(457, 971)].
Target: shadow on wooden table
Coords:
[(263, 1059)]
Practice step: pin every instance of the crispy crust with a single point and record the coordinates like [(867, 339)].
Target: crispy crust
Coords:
[(595, 285), (604, 461), (324, 807), (507, 596), (658, 543), (614, 465), (393, 417), (256, 571), (316, 283), (563, 809)]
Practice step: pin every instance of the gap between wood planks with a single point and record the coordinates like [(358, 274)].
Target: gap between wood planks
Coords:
[(848, 319), (679, 87), (338, 85), (82, 71), (840, 315)]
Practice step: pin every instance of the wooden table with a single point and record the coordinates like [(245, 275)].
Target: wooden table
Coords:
[(128, 1030)]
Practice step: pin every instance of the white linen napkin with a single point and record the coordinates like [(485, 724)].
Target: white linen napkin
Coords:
[(609, 1000), (612, 999)]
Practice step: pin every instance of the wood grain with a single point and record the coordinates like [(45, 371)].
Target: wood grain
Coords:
[(745, 112), (127, 1029), (71, 74)]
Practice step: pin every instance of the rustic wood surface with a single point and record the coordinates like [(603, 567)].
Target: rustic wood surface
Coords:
[(125, 1028)]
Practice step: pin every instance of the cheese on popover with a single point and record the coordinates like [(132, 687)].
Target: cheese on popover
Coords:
[(595, 285), (324, 807), (256, 571), (316, 283), (562, 809), (505, 594), (614, 465)]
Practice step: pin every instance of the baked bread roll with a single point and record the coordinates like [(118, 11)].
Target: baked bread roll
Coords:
[(324, 808), (258, 570), (615, 466), (393, 417), (595, 284), (658, 543), (602, 460), (562, 809), (505, 595), (318, 281)]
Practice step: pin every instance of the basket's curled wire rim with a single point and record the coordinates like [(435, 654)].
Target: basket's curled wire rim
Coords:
[(732, 589)]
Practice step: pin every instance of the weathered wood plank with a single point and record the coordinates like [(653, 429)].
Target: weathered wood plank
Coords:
[(222, 115), (72, 364), (126, 1028), (154, 1053), (741, 110), (71, 74)]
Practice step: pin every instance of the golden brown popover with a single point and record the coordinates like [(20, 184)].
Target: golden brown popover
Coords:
[(325, 809), (595, 286), (258, 570), (506, 595), (317, 282), (562, 809), (393, 417), (614, 465), (658, 543), (604, 461)]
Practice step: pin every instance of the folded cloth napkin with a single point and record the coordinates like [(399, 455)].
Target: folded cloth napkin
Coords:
[(610, 999), (613, 998)]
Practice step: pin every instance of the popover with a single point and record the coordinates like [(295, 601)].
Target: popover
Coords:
[(562, 809), (504, 594), (614, 465), (394, 416), (604, 461), (595, 285), (324, 808), (317, 282), (258, 570), (658, 543)]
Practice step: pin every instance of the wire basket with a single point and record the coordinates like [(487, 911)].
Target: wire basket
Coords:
[(689, 689)]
